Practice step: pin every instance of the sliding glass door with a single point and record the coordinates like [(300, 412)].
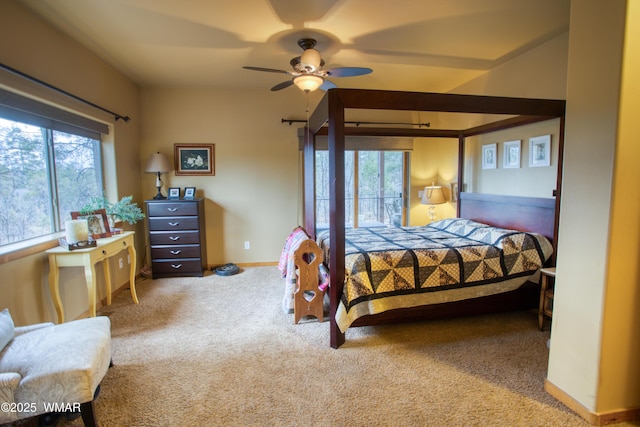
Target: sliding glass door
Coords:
[(374, 187)]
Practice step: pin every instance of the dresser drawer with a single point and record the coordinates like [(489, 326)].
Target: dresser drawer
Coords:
[(175, 251), (166, 223), (174, 238), (177, 267), (172, 209)]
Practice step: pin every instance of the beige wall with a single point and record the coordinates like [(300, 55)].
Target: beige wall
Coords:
[(595, 354), (255, 193), (433, 160), (523, 181), (33, 47)]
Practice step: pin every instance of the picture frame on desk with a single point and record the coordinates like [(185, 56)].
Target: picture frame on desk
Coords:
[(174, 193), (189, 193), (98, 223)]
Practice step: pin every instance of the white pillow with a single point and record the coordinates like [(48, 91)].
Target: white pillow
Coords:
[(6, 328)]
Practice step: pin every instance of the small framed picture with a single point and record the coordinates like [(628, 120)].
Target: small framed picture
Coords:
[(489, 156), (540, 151), (189, 192), (97, 221), (194, 159), (512, 154), (174, 192)]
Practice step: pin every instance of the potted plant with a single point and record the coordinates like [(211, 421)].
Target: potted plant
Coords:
[(123, 210)]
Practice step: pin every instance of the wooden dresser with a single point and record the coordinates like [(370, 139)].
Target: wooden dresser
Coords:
[(177, 237)]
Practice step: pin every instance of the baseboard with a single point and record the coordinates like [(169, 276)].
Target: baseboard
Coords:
[(594, 418)]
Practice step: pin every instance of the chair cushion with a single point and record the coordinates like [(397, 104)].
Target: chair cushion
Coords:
[(7, 329), (62, 363)]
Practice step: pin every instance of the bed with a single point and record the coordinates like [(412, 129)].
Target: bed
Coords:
[(449, 260), (535, 215)]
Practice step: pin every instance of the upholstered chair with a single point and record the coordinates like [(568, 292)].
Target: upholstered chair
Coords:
[(48, 368)]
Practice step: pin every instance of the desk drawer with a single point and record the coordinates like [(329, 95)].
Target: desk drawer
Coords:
[(175, 251), (172, 209), (174, 238), (177, 267), (166, 223)]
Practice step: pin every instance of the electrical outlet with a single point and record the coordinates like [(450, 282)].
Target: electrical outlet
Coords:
[(120, 262), (247, 245)]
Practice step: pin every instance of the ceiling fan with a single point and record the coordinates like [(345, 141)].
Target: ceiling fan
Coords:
[(307, 71)]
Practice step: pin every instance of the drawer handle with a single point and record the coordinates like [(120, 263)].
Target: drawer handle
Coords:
[(174, 238), (104, 252), (175, 252), (172, 209), (176, 266), (173, 224), (124, 243)]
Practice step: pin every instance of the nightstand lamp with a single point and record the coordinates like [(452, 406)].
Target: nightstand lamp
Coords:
[(158, 164), (433, 196)]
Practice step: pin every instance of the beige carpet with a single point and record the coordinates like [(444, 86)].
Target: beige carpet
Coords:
[(220, 351)]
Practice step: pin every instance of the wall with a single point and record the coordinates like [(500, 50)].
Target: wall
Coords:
[(33, 47), (433, 160), (595, 354), (523, 181), (256, 191)]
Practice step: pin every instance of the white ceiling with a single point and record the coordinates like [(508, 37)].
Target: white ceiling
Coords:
[(415, 45)]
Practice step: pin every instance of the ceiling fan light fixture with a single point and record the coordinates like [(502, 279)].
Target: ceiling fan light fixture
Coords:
[(311, 60), (308, 82)]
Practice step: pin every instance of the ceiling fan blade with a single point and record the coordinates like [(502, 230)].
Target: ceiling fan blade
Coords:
[(282, 85), (328, 85), (347, 71), (269, 70)]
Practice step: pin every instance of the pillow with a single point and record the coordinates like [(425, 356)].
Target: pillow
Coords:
[(6, 328)]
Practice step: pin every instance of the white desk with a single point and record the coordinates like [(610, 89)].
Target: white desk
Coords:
[(87, 258)]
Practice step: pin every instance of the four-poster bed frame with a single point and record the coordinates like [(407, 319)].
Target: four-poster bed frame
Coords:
[(522, 213)]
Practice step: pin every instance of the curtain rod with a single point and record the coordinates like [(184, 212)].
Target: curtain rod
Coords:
[(64, 92), (358, 123)]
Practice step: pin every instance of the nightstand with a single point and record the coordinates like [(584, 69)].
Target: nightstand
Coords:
[(546, 295)]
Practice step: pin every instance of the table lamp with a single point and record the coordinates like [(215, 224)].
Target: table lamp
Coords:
[(158, 164), (432, 196)]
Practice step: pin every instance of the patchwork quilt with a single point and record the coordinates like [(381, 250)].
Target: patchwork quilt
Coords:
[(447, 260)]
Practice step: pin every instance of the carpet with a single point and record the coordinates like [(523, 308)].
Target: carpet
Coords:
[(219, 351)]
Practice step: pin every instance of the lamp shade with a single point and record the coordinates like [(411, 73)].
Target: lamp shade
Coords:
[(158, 162), (433, 195), (311, 60), (308, 82)]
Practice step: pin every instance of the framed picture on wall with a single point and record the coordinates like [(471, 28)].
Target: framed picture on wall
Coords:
[(194, 159), (540, 151), (511, 154), (489, 156)]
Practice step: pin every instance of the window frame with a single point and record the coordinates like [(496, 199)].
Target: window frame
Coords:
[(68, 118)]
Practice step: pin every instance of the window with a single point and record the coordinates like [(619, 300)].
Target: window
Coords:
[(373, 196), (50, 165)]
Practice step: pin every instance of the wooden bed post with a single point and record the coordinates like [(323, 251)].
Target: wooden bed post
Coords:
[(460, 179), (309, 162), (336, 212)]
